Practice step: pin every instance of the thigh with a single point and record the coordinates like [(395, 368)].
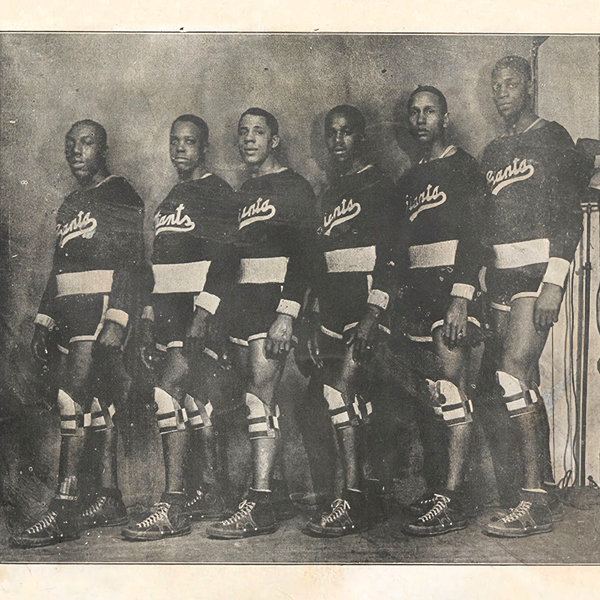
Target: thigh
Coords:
[(174, 371), (75, 377), (453, 362), (340, 372), (265, 373), (522, 344)]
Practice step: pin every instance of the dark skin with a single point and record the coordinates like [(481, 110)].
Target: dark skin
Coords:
[(512, 97), (85, 151), (345, 145)]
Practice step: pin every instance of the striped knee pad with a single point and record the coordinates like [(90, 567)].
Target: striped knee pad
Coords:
[(198, 414), (449, 403), (99, 418), (365, 409), (344, 411), (71, 415), (518, 398), (169, 415), (261, 423)]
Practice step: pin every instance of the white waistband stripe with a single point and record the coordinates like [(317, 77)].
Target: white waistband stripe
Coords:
[(180, 278), (521, 254), (84, 282), (263, 270), (438, 254), (351, 260)]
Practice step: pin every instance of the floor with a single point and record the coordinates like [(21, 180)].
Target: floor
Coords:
[(575, 540)]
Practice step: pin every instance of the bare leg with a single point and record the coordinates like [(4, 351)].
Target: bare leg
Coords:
[(455, 363)]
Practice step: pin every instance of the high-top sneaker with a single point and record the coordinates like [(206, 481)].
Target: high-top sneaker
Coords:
[(58, 524), (531, 516), (375, 493), (254, 516), (349, 514), (207, 504), (421, 505), (444, 516), (282, 504), (168, 518), (106, 509)]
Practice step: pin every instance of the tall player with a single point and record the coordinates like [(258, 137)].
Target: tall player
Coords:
[(89, 299), (441, 195), (357, 220), (192, 234), (276, 214), (533, 225)]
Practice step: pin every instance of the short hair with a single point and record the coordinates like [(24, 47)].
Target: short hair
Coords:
[(197, 121), (431, 90), (353, 114), (516, 63), (103, 138), (272, 122)]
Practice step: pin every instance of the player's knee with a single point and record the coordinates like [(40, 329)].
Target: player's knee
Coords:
[(263, 421), (344, 410), (450, 403), (365, 408), (198, 414), (71, 415), (99, 417), (518, 398), (170, 416)]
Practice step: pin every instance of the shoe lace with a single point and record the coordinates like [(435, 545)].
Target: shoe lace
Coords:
[(339, 508), (441, 504), (517, 512), (244, 509), (159, 511), (96, 506), (43, 523)]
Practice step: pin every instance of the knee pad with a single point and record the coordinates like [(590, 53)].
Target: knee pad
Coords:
[(261, 423), (518, 399), (449, 403), (169, 415), (198, 414), (365, 409), (344, 411), (71, 415), (99, 418)]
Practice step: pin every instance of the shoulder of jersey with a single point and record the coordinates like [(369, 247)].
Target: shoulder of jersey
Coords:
[(125, 194)]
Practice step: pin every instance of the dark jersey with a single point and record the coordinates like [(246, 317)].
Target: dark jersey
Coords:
[(442, 199), (99, 230), (358, 218), (275, 222), (536, 179), (194, 229)]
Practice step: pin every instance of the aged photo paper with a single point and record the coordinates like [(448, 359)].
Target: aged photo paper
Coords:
[(297, 581)]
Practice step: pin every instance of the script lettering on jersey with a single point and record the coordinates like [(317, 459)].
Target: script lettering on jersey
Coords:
[(177, 221), (430, 198), (83, 225), (261, 210), (346, 210), (518, 170)]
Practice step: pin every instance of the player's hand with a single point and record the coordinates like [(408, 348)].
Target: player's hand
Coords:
[(279, 338), (455, 323), (147, 343), (361, 337), (547, 307), (312, 343), (39, 343), (112, 336), (195, 337)]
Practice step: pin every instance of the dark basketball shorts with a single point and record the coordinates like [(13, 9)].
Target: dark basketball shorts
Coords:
[(79, 318), (425, 301), (342, 304), (251, 311), (506, 285)]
